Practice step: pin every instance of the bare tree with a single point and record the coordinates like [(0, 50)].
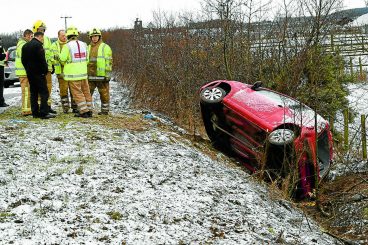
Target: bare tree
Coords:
[(318, 12), (227, 11)]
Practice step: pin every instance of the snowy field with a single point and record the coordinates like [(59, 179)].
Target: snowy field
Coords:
[(78, 182), (352, 161)]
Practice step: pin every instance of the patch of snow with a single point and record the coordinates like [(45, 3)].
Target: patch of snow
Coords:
[(361, 20), (351, 162)]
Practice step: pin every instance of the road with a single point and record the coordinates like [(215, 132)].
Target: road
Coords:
[(12, 96), (12, 91)]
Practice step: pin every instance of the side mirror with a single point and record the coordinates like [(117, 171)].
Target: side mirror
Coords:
[(257, 85)]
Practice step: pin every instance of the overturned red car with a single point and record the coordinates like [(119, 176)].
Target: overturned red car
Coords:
[(269, 130)]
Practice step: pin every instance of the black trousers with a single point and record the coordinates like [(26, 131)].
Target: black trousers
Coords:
[(2, 100), (38, 87)]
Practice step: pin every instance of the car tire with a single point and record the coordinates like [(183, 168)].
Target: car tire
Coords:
[(211, 116), (212, 95)]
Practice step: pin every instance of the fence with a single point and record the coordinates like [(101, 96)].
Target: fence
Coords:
[(354, 137), (354, 47)]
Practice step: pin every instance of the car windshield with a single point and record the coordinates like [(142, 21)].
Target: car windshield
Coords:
[(300, 112), (283, 101), (12, 55)]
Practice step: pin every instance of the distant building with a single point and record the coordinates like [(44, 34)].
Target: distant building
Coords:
[(138, 24)]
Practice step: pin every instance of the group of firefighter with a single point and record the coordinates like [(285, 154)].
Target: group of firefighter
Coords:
[(79, 69)]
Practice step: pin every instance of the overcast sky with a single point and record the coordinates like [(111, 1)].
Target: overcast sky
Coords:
[(21, 14)]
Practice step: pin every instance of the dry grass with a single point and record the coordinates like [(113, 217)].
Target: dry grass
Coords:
[(133, 122), (342, 200)]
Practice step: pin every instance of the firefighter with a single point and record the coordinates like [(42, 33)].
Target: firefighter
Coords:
[(99, 68), (2, 64), (39, 26), (56, 48), (21, 73), (74, 57)]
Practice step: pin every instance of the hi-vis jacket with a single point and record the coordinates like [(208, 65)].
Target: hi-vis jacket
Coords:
[(48, 52), (103, 60), (19, 68), (56, 48), (74, 56)]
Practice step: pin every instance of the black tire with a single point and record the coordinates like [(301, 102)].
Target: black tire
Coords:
[(207, 115), (218, 138), (212, 95)]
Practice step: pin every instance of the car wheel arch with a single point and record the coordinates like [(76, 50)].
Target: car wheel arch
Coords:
[(225, 86)]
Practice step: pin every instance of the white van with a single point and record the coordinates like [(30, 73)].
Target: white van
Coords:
[(9, 70)]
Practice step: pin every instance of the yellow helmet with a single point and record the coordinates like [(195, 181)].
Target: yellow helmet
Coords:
[(72, 31), (94, 32), (38, 24)]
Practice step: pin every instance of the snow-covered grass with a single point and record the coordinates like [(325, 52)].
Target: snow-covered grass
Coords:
[(126, 179), (77, 182)]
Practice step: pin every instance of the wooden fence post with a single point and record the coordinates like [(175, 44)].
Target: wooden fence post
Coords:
[(346, 129), (360, 67), (364, 138), (351, 66), (363, 49), (332, 43)]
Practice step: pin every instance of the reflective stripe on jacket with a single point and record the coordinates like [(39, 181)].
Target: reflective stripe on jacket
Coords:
[(56, 49), (103, 59), (19, 68), (74, 56)]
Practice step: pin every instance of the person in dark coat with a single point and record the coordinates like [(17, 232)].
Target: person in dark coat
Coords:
[(33, 60), (2, 63)]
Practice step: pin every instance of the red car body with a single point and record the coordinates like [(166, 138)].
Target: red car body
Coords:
[(244, 118)]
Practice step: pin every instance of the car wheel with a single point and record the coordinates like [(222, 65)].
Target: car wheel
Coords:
[(281, 136), (212, 95), (212, 121)]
